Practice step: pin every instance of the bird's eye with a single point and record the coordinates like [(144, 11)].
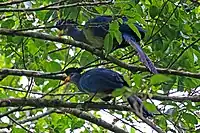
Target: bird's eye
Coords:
[(72, 74)]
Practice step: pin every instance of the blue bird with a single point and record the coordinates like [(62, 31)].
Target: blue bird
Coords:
[(103, 82), (95, 30)]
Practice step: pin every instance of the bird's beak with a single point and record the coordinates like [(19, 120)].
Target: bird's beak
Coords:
[(67, 80)]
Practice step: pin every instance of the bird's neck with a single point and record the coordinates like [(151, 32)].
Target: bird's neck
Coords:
[(76, 34), (76, 79)]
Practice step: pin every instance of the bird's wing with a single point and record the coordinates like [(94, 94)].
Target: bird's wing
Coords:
[(99, 25), (136, 104), (100, 80), (143, 57), (96, 29)]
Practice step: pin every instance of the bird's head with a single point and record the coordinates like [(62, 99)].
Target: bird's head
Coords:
[(73, 75), (65, 25)]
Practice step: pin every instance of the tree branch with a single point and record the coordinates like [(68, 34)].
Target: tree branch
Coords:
[(30, 73), (41, 103), (36, 117), (132, 68), (91, 118), (195, 98), (38, 93), (97, 3)]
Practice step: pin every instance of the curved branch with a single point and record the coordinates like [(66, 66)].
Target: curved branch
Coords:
[(39, 103), (91, 118), (132, 68)]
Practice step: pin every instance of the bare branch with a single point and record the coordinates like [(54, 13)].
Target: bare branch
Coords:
[(37, 116), (91, 118), (97, 3), (19, 124), (30, 73), (38, 93), (177, 98), (40, 103)]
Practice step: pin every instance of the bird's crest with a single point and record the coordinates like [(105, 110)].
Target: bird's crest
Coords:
[(72, 70)]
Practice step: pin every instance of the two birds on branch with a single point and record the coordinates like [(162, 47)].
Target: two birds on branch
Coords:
[(101, 80)]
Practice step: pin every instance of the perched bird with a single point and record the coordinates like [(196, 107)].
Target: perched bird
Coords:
[(95, 30), (103, 82)]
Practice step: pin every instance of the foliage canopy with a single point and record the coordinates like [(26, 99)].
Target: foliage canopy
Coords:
[(33, 58)]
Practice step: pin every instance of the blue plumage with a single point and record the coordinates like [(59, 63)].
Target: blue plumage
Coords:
[(97, 28), (103, 81), (110, 79)]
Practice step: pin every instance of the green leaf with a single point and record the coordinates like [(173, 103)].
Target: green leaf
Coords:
[(56, 55), (187, 29), (118, 36), (48, 15), (51, 84), (153, 11), (158, 43), (3, 124), (138, 80), (86, 58), (18, 130), (41, 14), (127, 79), (197, 26), (39, 81), (132, 130), (169, 85), (161, 120), (150, 107), (190, 83), (134, 28), (62, 124), (77, 123), (8, 24), (108, 43), (159, 78), (114, 29), (41, 125), (52, 66), (32, 48), (114, 26), (55, 118), (180, 84), (189, 118), (118, 92)]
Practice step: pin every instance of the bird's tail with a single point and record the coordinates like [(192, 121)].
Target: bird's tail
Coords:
[(143, 57), (136, 104)]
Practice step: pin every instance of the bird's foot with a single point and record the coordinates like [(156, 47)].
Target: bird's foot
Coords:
[(114, 101)]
